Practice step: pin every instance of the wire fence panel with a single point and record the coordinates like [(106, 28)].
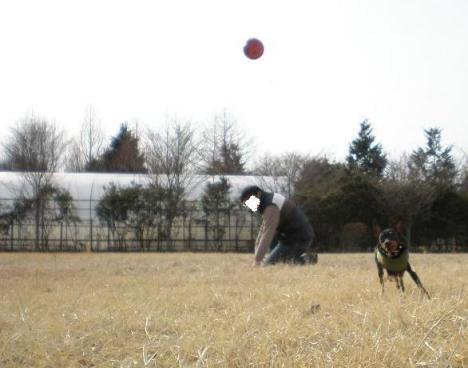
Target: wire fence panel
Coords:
[(191, 229)]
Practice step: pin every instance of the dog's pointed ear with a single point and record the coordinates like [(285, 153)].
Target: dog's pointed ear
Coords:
[(400, 227)]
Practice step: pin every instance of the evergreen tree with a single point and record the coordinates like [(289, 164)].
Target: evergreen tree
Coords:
[(464, 182), (216, 205), (448, 215), (231, 162), (123, 155), (352, 199), (132, 209), (364, 155), (216, 196), (433, 164)]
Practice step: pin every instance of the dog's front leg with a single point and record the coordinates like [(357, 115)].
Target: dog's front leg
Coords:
[(380, 270)]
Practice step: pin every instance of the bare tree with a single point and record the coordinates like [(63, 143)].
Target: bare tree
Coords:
[(4, 166), (91, 136), (282, 171), (210, 148), (74, 161), (398, 170), (172, 155), (226, 147), (87, 147), (405, 197), (35, 148), (318, 177)]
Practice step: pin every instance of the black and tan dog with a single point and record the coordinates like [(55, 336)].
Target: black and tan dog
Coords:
[(392, 254)]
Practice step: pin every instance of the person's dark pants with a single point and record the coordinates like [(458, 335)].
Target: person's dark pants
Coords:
[(288, 253)]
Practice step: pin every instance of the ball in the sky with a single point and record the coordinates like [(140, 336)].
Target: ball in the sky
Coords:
[(253, 49)]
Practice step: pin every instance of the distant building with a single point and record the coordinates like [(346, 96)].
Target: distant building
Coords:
[(233, 231), (89, 187)]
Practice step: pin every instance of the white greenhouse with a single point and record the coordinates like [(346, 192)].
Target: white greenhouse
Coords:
[(193, 230)]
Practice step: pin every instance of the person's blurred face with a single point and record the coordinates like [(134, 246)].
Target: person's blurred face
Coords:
[(252, 203)]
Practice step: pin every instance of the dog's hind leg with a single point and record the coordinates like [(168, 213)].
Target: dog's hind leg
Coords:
[(416, 279), (397, 281), (380, 270), (400, 280)]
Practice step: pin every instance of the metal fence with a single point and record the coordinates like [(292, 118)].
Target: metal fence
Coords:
[(191, 229), (232, 229)]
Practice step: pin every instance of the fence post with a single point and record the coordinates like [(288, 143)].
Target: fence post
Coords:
[(251, 226), (206, 232), (108, 237), (219, 233), (61, 235), (237, 234), (190, 235), (184, 247), (159, 230), (91, 234), (158, 244), (229, 227), (12, 236)]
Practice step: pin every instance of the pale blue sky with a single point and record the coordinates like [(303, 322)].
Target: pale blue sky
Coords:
[(403, 64)]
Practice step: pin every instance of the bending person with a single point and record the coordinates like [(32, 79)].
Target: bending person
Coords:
[(283, 218)]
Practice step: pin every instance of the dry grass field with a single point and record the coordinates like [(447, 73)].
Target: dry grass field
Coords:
[(214, 310)]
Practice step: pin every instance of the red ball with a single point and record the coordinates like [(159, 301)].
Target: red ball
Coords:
[(253, 49)]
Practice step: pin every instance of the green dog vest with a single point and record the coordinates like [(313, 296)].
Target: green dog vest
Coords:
[(394, 264)]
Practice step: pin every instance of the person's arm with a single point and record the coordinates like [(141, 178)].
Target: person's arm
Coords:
[(261, 230), (267, 232)]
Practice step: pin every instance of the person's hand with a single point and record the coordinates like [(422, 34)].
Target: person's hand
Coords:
[(256, 263)]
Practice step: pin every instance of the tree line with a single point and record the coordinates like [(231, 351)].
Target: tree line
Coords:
[(426, 188)]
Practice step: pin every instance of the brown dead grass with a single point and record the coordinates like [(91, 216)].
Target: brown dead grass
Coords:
[(214, 310)]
